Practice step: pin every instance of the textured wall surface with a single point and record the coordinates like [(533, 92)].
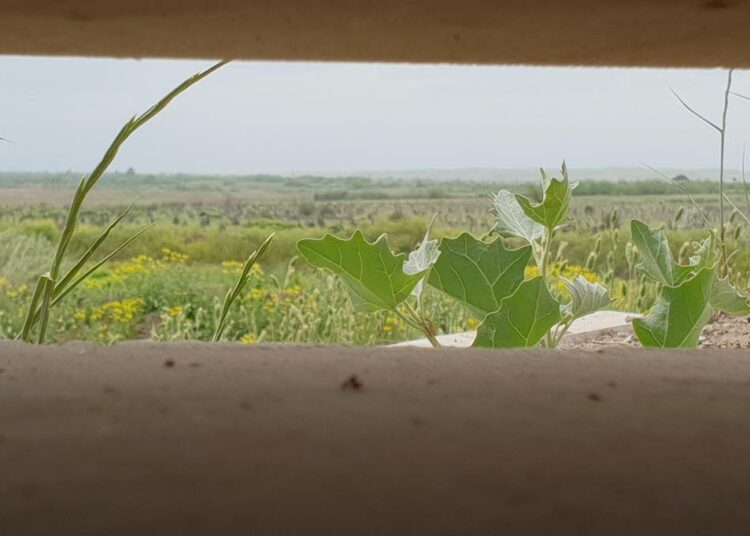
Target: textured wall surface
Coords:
[(217, 439), (581, 32)]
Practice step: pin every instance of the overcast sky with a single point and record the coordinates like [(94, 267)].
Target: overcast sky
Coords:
[(253, 117)]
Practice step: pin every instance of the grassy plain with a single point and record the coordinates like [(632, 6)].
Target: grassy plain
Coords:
[(168, 285)]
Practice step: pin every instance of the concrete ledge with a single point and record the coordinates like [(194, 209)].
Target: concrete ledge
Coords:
[(703, 33), (199, 439)]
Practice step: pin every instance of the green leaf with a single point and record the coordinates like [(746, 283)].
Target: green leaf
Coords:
[(656, 259), (478, 274), (706, 253), (728, 299), (522, 320), (373, 275), (677, 319), (510, 219), (422, 259), (586, 297), (553, 209)]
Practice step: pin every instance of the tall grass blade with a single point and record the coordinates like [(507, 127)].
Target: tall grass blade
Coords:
[(242, 280), (90, 251), (88, 182), (49, 284), (60, 292), (32, 315)]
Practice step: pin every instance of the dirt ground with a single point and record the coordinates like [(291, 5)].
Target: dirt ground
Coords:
[(148, 438), (723, 332)]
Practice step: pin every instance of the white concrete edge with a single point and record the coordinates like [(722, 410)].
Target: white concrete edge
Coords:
[(583, 329)]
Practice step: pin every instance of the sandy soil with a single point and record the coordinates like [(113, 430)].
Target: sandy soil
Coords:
[(194, 439), (724, 331)]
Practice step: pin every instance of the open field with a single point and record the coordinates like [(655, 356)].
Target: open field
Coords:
[(169, 283)]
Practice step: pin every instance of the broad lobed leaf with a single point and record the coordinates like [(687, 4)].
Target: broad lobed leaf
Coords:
[(478, 274), (656, 258), (373, 274), (586, 297), (511, 221), (553, 210), (728, 299), (677, 319), (522, 320)]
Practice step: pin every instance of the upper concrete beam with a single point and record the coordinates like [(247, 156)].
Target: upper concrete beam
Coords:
[(699, 33)]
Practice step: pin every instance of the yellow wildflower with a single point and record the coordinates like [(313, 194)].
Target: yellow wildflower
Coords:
[(292, 292), (169, 255), (257, 294), (249, 338), (392, 322), (231, 267), (120, 311), (568, 271), (15, 293), (175, 311)]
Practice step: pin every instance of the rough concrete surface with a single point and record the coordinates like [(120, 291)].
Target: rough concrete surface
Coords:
[(702, 33), (145, 438)]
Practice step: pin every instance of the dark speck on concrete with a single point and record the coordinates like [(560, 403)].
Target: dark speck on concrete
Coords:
[(352, 384)]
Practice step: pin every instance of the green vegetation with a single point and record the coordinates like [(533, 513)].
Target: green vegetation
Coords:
[(51, 287), (690, 293), (236, 291), (169, 284), (519, 273), (485, 277)]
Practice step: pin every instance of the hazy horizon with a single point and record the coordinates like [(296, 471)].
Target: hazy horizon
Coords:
[(367, 119), (508, 176)]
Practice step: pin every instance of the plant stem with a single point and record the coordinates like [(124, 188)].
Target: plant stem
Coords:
[(234, 292), (722, 132), (546, 246), (559, 334), (422, 325)]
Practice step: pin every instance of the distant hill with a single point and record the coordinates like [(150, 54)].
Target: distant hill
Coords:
[(510, 176), (490, 175)]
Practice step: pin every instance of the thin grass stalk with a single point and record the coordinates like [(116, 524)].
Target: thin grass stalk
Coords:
[(60, 292), (32, 312), (90, 251), (722, 232), (232, 294), (683, 190), (49, 284), (722, 130), (88, 182), (744, 182), (737, 209)]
